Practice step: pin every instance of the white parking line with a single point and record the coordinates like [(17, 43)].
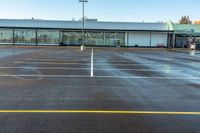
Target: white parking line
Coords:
[(92, 63), (86, 59), (127, 62), (98, 69), (64, 56), (71, 60), (87, 63), (46, 68), (143, 77), (47, 76), (87, 76), (132, 64), (49, 63), (113, 58), (106, 69)]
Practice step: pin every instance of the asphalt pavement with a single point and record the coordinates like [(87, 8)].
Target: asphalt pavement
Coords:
[(51, 90)]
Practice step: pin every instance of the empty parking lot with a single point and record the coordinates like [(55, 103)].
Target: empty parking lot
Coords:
[(107, 90)]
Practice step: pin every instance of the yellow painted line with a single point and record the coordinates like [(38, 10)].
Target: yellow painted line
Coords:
[(101, 112)]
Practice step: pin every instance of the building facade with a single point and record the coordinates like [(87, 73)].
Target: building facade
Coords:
[(184, 33), (124, 34)]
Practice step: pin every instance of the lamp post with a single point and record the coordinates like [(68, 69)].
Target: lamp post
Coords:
[(83, 24)]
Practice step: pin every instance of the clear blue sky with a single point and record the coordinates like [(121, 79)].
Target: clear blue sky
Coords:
[(104, 10)]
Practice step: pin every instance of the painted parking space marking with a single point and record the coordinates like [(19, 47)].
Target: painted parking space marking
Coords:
[(59, 57), (131, 64), (102, 112), (87, 63), (49, 63), (92, 63), (141, 77), (46, 68), (88, 76), (71, 60), (97, 69), (45, 76)]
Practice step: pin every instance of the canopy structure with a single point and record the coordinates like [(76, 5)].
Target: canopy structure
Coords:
[(186, 29)]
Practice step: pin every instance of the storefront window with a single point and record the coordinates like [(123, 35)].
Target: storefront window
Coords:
[(94, 38), (72, 38), (6, 36), (25, 36), (115, 39), (48, 37)]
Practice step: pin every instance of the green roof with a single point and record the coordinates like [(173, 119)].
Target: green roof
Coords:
[(187, 28), (184, 28)]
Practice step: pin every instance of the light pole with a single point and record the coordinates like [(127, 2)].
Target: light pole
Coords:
[(83, 24)]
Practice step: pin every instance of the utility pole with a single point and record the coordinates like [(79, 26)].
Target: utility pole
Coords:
[(83, 24)]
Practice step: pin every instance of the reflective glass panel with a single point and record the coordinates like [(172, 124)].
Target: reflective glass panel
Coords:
[(48, 37), (115, 39), (6, 36), (94, 38), (72, 38), (25, 36)]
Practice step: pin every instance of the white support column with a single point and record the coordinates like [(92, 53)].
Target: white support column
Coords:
[(104, 38), (126, 39)]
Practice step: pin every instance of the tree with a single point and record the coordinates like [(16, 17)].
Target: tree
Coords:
[(185, 20), (197, 22)]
